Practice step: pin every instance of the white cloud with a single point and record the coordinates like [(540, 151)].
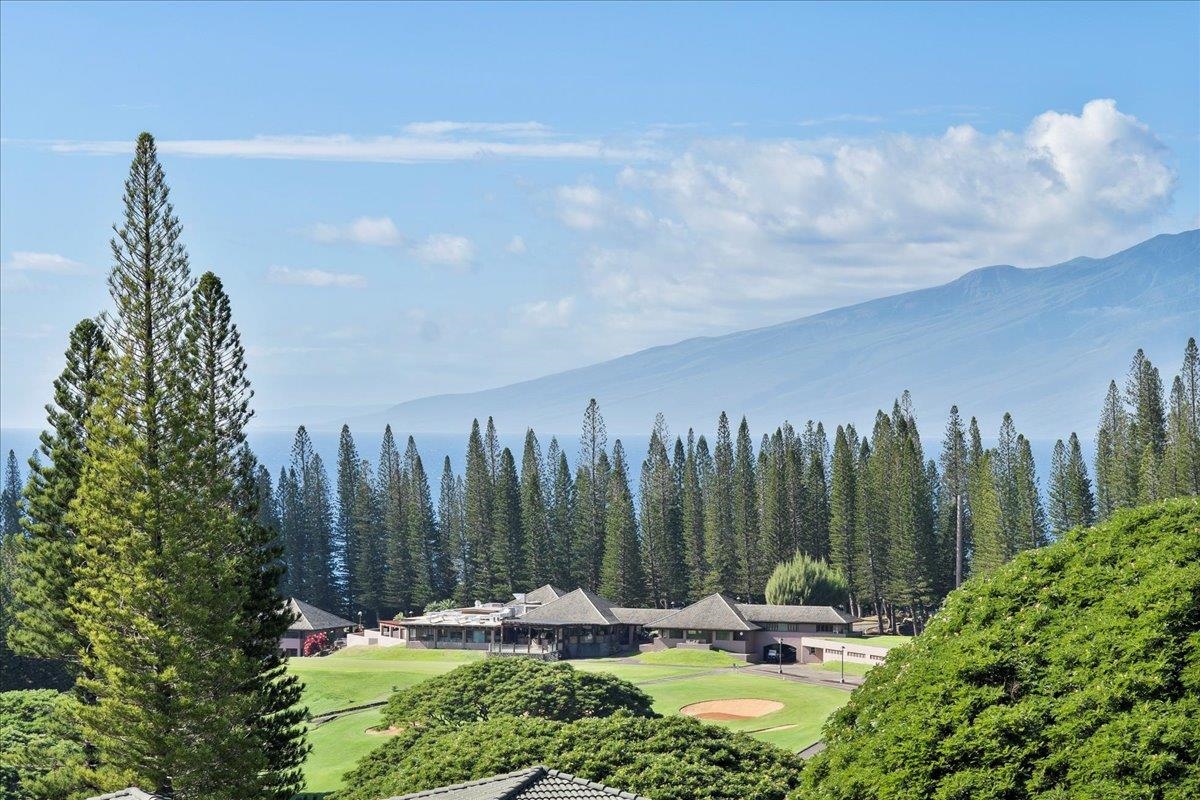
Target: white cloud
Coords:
[(376, 149), (548, 313), (516, 245), (379, 231), (836, 118), (25, 261), (315, 277), (442, 248), (731, 232), (443, 127)]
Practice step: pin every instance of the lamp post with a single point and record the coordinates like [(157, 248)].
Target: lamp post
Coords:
[(360, 627), (843, 663), (779, 653)]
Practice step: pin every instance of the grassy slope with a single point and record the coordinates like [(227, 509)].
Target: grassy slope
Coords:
[(359, 676)]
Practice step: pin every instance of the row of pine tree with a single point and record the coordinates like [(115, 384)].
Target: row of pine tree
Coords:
[(903, 527)]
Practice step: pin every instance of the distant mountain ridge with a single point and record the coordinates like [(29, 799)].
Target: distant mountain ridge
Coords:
[(1040, 342)]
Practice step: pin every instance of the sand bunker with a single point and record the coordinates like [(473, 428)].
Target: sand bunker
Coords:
[(731, 709)]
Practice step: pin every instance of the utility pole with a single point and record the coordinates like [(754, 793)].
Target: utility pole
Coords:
[(958, 540)]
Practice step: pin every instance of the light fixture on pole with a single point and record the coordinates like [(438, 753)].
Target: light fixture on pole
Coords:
[(779, 653)]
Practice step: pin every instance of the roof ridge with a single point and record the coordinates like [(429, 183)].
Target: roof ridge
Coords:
[(528, 773)]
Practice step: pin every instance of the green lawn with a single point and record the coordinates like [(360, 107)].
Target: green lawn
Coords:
[(337, 746), (887, 641), (805, 706), (360, 675), (690, 658), (852, 667)]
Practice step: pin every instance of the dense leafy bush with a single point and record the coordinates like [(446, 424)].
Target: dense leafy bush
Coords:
[(804, 581), (1073, 671), (667, 758), (516, 687), (38, 756)]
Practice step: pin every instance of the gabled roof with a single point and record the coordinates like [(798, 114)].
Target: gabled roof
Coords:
[(579, 607), (535, 783), (132, 793), (715, 612), (757, 612), (639, 616), (311, 618), (542, 594)]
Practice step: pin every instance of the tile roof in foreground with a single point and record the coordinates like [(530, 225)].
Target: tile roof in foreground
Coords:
[(311, 618), (132, 793), (534, 783)]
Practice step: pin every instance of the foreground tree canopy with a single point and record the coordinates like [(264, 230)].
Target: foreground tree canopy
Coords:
[(515, 687), (1073, 671), (664, 758)]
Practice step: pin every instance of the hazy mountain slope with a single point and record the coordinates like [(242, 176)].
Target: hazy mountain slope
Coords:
[(1042, 343)]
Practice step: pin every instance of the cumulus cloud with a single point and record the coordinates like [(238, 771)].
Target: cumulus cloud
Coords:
[(516, 245), (315, 277), (379, 231), (547, 313), (444, 249), (26, 261), (731, 232)]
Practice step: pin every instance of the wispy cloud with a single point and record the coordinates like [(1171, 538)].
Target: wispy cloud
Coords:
[(443, 127), (548, 313), (516, 245), (26, 261), (315, 277), (445, 249), (378, 149), (379, 231), (836, 118)]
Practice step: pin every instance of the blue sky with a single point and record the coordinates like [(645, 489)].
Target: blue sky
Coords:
[(411, 199)]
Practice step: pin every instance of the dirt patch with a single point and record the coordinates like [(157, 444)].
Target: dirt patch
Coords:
[(392, 731), (746, 708)]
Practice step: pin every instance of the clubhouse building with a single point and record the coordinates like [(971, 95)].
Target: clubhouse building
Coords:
[(552, 624)]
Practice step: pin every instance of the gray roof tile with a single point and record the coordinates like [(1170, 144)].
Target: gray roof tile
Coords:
[(760, 613), (579, 607), (132, 793), (715, 612), (534, 783), (311, 618)]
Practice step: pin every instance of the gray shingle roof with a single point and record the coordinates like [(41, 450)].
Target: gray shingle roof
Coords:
[(638, 616), (579, 607), (715, 612), (132, 793), (311, 618), (535, 783), (542, 594), (757, 612)]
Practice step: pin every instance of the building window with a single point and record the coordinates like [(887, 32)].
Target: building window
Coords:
[(722, 636), (824, 628), (876, 658), (739, 636), (853, 654)]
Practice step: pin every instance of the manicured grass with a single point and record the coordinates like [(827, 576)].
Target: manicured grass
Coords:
[(805, 706), (690, 658), (337, 746), (887, 641), (362, 675), (852, 667)]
